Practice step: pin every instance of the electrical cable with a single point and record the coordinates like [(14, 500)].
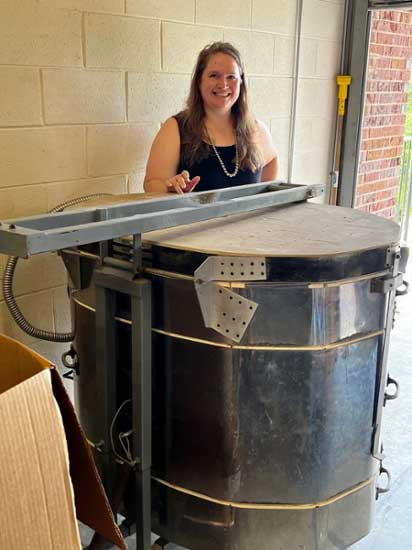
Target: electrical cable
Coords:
[(128, 459)]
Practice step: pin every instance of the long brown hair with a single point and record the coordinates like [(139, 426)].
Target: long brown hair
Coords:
[(194, 148)]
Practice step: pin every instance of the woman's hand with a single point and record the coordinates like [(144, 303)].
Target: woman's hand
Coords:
[(181, 183)]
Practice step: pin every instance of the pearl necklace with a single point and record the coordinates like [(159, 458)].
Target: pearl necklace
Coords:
[(222, 164)]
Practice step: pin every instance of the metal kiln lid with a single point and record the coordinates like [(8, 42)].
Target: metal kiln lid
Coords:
[(296, 230)]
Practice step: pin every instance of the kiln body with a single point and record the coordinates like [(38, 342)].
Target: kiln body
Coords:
[(265, 442)]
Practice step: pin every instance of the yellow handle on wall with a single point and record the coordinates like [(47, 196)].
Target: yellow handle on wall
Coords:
[(343, 82)]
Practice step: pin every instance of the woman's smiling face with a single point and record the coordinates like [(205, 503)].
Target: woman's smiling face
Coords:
[(220, 83)]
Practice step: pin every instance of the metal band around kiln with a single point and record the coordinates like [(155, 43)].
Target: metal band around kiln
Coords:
[(258, 506), (339, 344), (236, 284)]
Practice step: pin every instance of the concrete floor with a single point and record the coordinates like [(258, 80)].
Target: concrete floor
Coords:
[(392, 528)]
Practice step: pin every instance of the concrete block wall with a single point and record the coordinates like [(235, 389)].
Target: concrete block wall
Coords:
[(85, 85), (322, 29), (383, 128)]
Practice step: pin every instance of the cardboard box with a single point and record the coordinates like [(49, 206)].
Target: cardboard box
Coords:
[(47, 473)]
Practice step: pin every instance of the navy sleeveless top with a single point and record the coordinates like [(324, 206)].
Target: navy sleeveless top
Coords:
[(210, 171)]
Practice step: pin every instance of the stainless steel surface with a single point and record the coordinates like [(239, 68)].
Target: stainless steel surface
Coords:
[(264, 426), (332, 527), (392, 514), (299, 314), (263, 440)]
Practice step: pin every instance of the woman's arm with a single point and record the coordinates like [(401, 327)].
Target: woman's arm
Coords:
[(162, 165), (163, 159), (270, 168)]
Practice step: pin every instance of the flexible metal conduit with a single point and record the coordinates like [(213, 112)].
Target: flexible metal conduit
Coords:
[(8, 277)]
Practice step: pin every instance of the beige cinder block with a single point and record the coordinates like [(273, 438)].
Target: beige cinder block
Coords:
[(284, 55), (274, 16), (181, 45), (36, 35), (118, 149), (106, 6), (303, 134), (155, 97), (316, 97), (58, 193), (256, 49), (38, 310), (313, 133), (322, 19), (178, 10), (41, 155), (27, 200), (37, 273), (328, 59), (308, 57), (230, 13), (311, 167), (135, 182), (122, 42), (20, 100), (280, 130), (78, 96), (319, 58), (271, 97)]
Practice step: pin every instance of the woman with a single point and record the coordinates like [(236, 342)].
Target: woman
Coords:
[(215, 142)]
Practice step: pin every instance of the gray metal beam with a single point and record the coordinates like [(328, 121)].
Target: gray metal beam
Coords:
[(77, 228), (91, 214), (141, 307), (356, 62)]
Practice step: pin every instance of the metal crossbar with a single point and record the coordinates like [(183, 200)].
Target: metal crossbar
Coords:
[(26, 236)]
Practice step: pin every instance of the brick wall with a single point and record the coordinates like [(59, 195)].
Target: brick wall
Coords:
[(85, 84), (383, 128)]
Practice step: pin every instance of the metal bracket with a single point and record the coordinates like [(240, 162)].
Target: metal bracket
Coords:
[(396, 263), (393, 258), (223, 310), (387, 284), (404, 258), (231, 268)]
